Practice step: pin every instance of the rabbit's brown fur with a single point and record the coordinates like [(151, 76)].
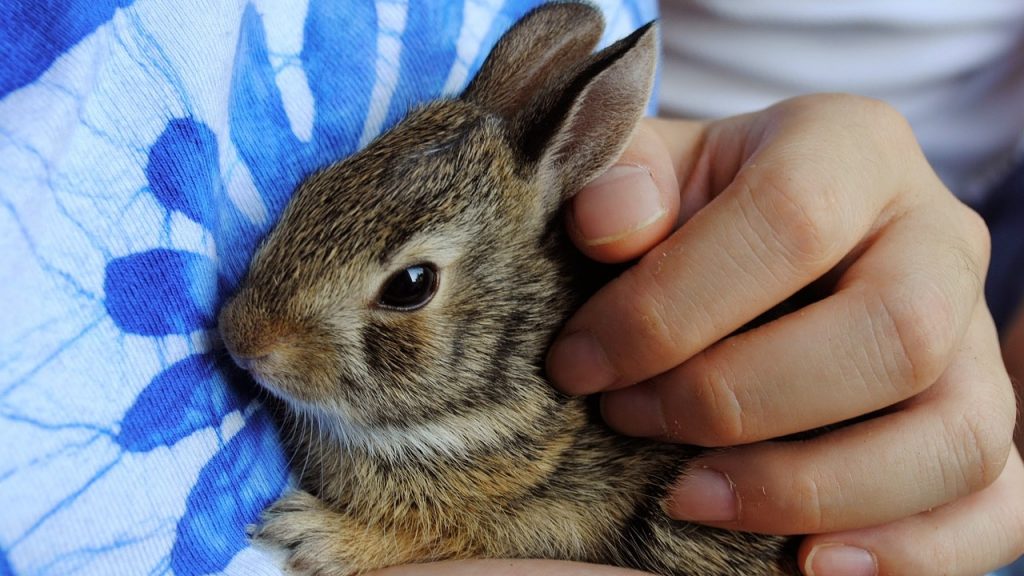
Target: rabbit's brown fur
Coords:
[(432, 434)]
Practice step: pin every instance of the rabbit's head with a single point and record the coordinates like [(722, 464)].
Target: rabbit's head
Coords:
[(423, 277)]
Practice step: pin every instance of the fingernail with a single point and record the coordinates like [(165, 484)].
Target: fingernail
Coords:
[(705, 495), (614, 205), (635, 410), (840, 560), (578, 365)]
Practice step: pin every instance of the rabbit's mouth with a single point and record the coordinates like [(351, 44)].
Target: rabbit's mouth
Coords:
[(254, 366), (275, 372), (260, 368), (261, 363)]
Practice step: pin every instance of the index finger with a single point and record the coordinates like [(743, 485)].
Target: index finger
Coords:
[(798, 200)]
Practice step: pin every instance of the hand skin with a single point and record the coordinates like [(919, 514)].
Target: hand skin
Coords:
[(829, 192)]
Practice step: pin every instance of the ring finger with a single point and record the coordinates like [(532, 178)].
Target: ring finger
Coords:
[(910, 300), (805, 487)]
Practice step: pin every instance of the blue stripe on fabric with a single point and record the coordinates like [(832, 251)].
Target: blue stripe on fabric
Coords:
[(190, 395), (260, 128), (183, 173), (233, 488), (428, 52), (339, 57), (5, 565), (161, 292), (33, 34)]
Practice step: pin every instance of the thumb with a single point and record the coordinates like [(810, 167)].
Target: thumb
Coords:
[(633, 206)]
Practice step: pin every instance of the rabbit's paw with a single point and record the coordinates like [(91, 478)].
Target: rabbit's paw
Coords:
[(312, 537)]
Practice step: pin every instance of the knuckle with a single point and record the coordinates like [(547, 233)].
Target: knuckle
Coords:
[(796, 217), (922, 329), (977, 237), (968, 271), (981, 449), (867, 125), (883, 113), (717, 401), (879, 126), (832, 102), (883, 117), (878, 115), (651, 315), (804, 505)]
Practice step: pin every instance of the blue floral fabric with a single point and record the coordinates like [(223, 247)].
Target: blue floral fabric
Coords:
[(145, 148)]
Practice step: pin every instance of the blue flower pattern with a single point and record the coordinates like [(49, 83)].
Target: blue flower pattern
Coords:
[(145, 148)]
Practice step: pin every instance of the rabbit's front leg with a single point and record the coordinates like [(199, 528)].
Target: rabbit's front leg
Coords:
[(319, 541)]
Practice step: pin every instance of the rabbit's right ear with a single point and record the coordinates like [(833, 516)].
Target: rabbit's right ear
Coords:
[(547, 43), (568, 113)]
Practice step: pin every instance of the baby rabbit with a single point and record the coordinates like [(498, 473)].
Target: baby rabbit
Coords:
[(401, 310)]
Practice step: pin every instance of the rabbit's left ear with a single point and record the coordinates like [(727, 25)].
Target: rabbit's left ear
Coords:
[(584, 127)]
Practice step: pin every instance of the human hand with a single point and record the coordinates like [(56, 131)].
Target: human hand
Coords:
[(830, 194)]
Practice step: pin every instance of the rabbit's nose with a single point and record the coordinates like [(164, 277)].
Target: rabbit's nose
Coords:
[(249, 336), (264, 368)]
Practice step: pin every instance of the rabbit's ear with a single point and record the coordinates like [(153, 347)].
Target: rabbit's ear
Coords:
[(582, 130), (543, 46)]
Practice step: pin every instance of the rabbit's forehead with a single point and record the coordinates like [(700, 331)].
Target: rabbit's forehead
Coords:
[(424, 185), (380, 199)]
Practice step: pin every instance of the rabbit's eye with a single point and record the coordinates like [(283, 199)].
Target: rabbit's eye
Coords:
[(409, 289)]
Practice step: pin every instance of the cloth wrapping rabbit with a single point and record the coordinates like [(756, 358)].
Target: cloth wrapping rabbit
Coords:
[(401, 309)]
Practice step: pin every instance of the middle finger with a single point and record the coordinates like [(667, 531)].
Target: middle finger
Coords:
[(883, 337)]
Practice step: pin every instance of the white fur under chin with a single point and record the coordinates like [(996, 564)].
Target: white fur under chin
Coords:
[(448, 436)]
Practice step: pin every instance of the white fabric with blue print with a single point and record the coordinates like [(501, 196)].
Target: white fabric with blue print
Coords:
[(145, 148)]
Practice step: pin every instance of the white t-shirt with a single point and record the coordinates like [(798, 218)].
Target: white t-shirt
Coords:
[(954, 68)]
